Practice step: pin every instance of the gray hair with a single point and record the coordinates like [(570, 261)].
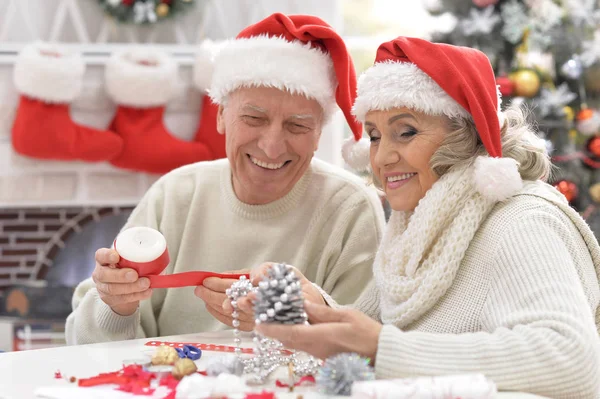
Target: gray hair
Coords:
[(519, 141)]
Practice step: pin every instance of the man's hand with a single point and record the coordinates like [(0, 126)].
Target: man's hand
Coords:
[(212, 292), (332, 331), (121, 289)]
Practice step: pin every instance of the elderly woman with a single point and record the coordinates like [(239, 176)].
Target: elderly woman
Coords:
[(484, 268)]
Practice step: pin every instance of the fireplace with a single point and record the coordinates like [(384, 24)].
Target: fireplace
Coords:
[(44, 254)]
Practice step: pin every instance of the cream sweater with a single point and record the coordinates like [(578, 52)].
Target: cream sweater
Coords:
[(329, 226), (521, 308)]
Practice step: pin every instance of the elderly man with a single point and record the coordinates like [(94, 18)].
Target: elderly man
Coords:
[(276, 86)]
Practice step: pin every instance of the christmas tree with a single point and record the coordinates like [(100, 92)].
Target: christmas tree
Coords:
[(546, 56)]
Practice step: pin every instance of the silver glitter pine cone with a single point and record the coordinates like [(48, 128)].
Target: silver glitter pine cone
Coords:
[(339, 372), (230, 364), (279, 297)]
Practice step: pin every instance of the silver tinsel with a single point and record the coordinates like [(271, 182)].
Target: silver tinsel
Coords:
[(339, 372), (230, 364), (279, 297)]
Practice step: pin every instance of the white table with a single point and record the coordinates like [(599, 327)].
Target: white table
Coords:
[(21, 373)]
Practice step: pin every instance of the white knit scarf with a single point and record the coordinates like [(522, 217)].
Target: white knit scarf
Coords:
[(422, 250)]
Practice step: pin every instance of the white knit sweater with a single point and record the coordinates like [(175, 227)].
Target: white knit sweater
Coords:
[(521, 308), (329, 226)]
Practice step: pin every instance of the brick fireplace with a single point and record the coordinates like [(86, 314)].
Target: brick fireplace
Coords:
[(31, 238)]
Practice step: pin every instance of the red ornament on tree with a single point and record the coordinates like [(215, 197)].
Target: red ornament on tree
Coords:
[(568, 189), (505, 85), (168, 2), (593, 146), (127, 2)]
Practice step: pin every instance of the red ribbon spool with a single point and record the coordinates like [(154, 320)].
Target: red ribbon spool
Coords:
[(145, 250)]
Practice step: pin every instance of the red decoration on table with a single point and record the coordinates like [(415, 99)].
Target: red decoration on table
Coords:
[(306, 380), (568, 189), (204, 347), (261, 395), (58, 375)]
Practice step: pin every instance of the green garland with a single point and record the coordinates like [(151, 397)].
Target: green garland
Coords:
[(144, 12)]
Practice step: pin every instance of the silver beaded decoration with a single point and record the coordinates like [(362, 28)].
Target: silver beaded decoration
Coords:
[(279, 300), (238, 290)]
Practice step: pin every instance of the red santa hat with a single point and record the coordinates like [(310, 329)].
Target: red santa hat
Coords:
[(440, 79), (298, 53)]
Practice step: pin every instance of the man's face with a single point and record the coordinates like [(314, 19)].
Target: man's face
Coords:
[(271, 137)]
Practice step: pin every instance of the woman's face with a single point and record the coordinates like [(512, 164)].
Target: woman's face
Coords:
[(402, 144)]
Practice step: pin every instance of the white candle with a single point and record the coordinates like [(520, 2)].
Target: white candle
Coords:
[(140, 244)]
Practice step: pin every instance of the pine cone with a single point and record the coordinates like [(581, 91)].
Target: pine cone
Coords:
[(225, 364), (339, 372), (279, 297)]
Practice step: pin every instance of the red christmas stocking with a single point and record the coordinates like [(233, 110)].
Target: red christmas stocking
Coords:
[(48, 79), (141, 81), (207, 130)]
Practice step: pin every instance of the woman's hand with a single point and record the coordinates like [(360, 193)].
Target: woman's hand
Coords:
[(332, 331)]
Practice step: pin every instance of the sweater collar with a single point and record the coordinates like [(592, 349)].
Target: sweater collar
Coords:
[(267, 211)]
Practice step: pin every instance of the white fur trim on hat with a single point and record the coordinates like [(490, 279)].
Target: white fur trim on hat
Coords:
[(274, 62), (49, 72), (390, 84), (501, 116), (141, 77), (356, 153), (497, 178), (204, 63)]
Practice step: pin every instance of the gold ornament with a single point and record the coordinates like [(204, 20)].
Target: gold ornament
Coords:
[(164, 355), (595, 192), (183, 367), (569, 113), (527, 83), (162, 10)]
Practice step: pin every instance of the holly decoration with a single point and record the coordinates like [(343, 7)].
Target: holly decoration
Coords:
[(144, 12)]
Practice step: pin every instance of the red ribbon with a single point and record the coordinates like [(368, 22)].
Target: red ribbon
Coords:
[(153, 268), (206, 347), (306, 380)]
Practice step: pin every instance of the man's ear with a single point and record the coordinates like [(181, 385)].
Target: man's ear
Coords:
[(220, 120)]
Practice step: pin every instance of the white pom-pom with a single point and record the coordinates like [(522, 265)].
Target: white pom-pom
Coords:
[(497, 178), (204, 64), (356, 153)]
